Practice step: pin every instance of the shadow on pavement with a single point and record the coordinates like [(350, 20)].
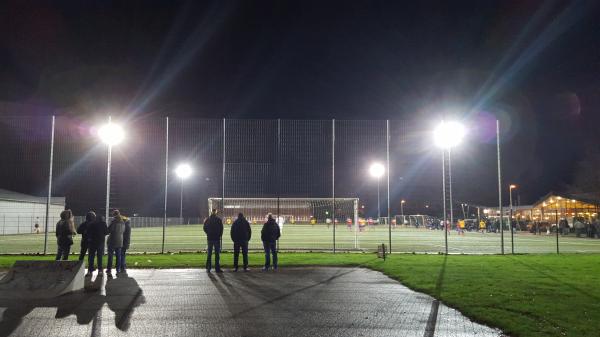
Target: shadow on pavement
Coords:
[(254, 285), (435, 304), (123, 295)]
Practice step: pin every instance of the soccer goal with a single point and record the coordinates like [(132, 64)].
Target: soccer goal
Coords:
[(288, 210)]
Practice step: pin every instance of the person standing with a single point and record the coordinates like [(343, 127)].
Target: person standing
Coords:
[(82, 229), (269, 235), (126, 241), (240, 235), (115, 241), (65, 229), (36, 227), (96, 233), (213, 227)]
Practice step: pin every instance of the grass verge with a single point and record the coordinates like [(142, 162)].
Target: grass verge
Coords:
[(524, 295)]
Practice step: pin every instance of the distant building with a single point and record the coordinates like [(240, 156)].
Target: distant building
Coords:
[(554, 206), (20, 212)]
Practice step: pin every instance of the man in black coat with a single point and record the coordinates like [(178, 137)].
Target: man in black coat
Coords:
[(96, 234), (82, 229), (269, 235), (213, 227), (240, 235)]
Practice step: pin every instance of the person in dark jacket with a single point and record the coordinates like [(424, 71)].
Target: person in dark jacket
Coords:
[(240, 235), (213, 227), (65, 230), (126, 241), (96, 235), (82, 229), (115, 241), (269, 235)]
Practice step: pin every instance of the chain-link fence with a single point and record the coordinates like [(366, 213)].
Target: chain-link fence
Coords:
[(237, 161)]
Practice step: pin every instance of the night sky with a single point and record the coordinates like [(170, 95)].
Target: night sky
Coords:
[(533, 65)]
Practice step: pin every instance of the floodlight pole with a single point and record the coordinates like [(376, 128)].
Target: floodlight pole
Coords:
[(445, 224), (49, 187), (181, 203), (500, 187), (108, 176), (378, 206), (162, 249)]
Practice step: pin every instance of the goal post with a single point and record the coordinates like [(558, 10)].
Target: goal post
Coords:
[(290, 210)]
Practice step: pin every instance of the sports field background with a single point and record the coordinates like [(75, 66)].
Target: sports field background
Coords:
[(319, 237)]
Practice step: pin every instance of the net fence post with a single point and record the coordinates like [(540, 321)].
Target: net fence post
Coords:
[(333, 178), (162, 250), (277, 175), (450, 199), (223, 191), (557, 228), (389, 219), (355, 209), (500, 188), (48, 199)]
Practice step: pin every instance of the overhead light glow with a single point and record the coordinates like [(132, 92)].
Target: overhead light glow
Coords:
[(111, 134), (376, 170), (448, 134), (183, 171)]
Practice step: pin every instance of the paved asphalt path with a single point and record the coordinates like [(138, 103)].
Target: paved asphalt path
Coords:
[(189, 302)]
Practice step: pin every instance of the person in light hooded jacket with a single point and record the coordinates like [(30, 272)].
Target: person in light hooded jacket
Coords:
[(115, 241), (126, 241)]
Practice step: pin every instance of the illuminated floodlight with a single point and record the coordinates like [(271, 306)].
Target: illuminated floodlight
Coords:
[(376, 170), (513, 186), (183, 171), (448, 134), (111, 134)]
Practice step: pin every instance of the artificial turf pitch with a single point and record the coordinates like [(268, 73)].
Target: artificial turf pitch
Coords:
[(191, 238)]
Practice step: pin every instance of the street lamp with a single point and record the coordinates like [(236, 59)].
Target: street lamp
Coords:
[(110, 134), (446, 136), (402, 210), (183, 171), (376, 170), (512, 238)]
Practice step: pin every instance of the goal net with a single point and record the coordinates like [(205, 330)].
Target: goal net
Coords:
[(288, 210)]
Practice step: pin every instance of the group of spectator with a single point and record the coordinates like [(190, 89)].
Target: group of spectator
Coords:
[(241, 233), (94, 230), (93, 233)]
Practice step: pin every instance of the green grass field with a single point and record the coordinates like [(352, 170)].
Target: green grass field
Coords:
[(524, 295), (319, 237)]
